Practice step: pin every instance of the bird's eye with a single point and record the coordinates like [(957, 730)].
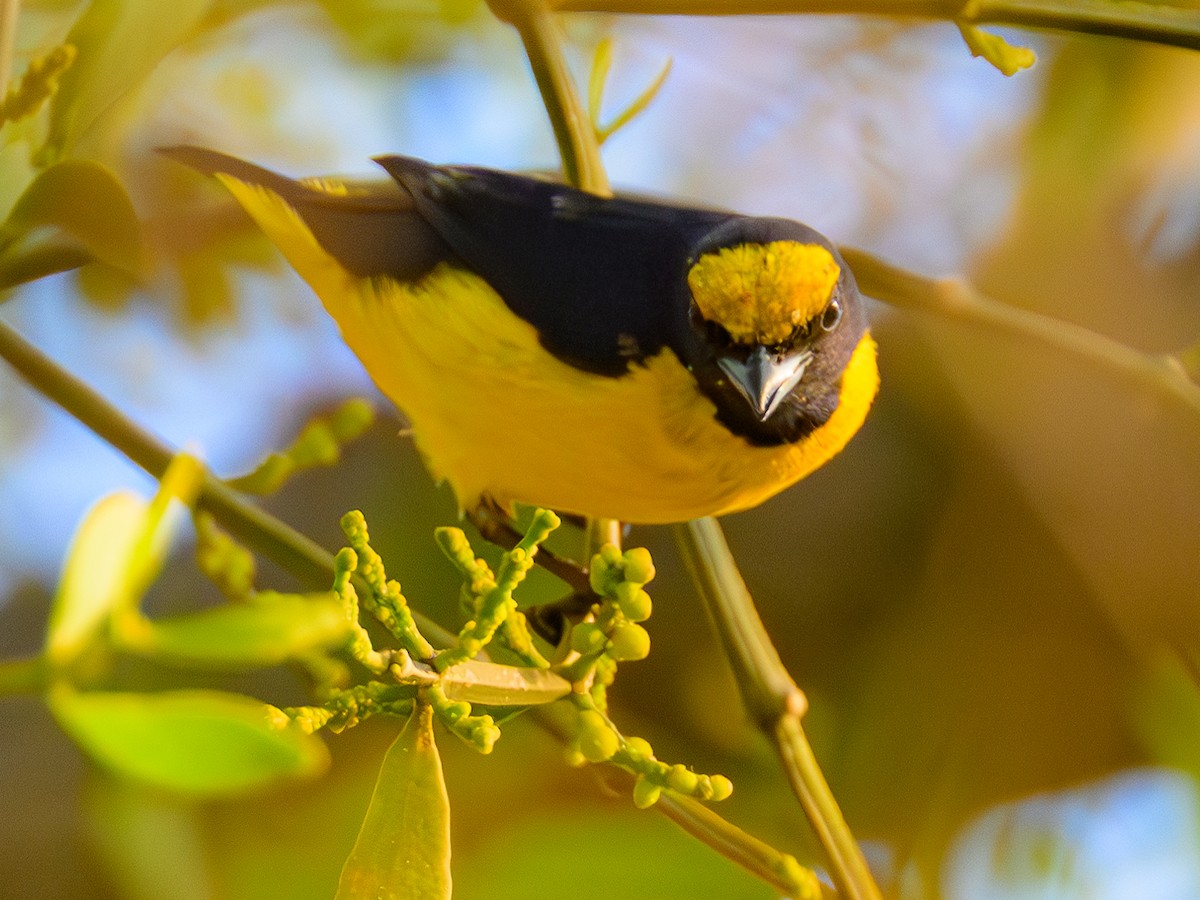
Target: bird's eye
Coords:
[(832, 315)]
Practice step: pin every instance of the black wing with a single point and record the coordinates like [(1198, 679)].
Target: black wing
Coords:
[(602, 280)]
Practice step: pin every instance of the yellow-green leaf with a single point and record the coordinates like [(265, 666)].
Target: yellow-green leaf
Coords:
[(94, 575), (403, 847), (117, 551), (268, 630), (118, 42), (195, 742), (496, 685), (1000, 53), (77, 201)]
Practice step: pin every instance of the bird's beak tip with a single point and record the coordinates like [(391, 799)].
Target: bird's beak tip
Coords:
[(765, 382)]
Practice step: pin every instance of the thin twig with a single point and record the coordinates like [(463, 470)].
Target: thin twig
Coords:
[(771, 697), (761, 859), (497, 528), (1175, 26), (577, 142), (954, 298)]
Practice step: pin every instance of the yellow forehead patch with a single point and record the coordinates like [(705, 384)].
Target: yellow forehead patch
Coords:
[(760, 293)]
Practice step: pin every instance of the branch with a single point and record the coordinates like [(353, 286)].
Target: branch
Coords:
[(1175, 26), (577, 144), (771, 697), (953, 298)]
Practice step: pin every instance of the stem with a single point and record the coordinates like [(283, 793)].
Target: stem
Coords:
[(1175, 26), (573, 130), (600, 532), (955, 299), (310, 563), (771, 697), (9, 11), (760, 859)]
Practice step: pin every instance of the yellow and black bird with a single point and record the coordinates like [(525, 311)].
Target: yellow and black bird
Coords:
[(615, 358)]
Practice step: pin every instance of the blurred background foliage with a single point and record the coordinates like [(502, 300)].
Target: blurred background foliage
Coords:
[(991, 597)]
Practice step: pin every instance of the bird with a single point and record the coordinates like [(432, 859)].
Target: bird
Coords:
[(620, 357)]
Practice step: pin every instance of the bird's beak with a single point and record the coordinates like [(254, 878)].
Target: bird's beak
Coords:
[(766, 381)]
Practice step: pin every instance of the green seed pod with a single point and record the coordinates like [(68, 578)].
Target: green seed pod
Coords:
[(597, 741), (639, 567), (681, 779), (587, 638), (645, 793), (633, 601), (722, 787), (639, 748), (484, 735), (629, 642)]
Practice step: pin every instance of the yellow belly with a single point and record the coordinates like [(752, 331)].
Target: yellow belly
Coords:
[(495, 414)]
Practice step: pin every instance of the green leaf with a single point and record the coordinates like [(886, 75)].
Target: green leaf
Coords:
[(78, 206), (265, 631), (403, 847), (119, 43), (597, 78), (196, 742), (1000, 53), (94, 577)]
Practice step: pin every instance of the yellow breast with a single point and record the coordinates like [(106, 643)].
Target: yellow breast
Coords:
[(496, 414)]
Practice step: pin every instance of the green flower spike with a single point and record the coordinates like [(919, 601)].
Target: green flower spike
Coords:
[(319, 443), (224, 561), (493, 606), (384, 600), (481, 732)]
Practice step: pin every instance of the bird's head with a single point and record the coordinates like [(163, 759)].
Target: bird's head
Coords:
[(774, 316)]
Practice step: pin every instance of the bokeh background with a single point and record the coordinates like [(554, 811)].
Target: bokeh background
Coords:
[(992, 597)]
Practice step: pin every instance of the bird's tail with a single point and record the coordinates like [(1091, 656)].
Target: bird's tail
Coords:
[(369, 228)]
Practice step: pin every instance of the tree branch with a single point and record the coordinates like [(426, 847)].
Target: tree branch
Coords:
[(954, 298), (774, 702), (1175, 26)]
